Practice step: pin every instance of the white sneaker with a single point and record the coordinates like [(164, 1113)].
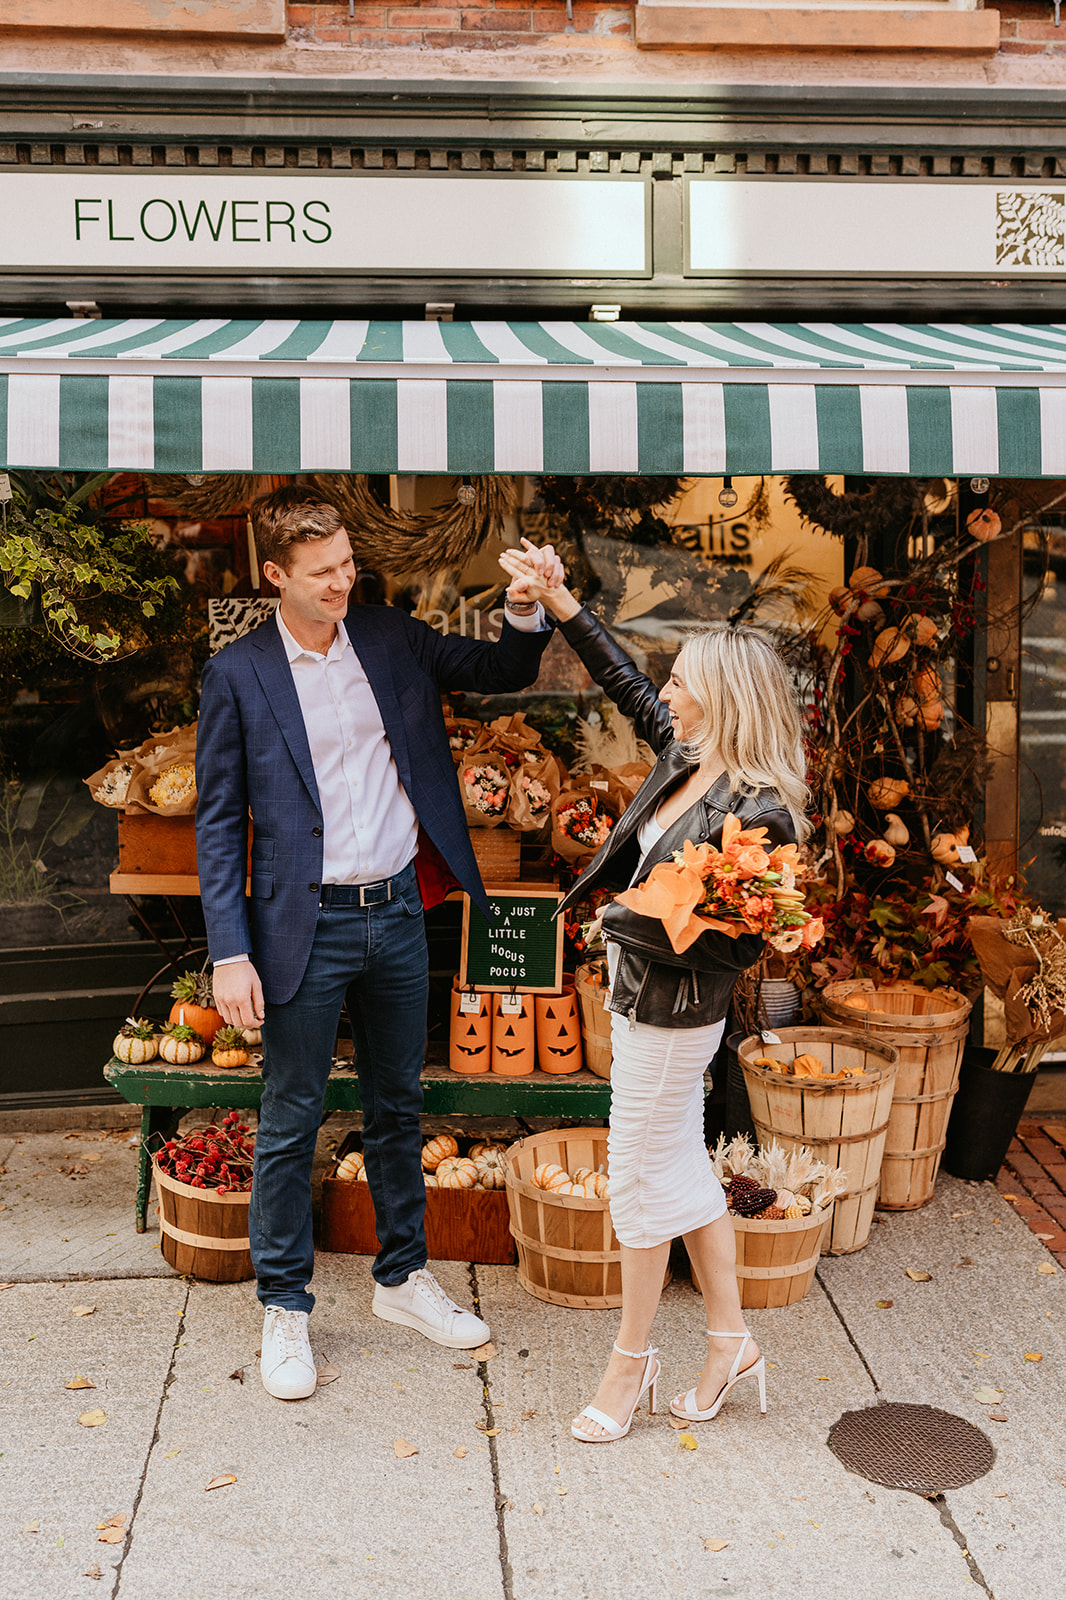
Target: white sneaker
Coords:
[(421, 1303), (286, 1364)]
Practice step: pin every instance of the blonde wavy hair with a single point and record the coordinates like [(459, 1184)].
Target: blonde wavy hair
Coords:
[(750, 714)]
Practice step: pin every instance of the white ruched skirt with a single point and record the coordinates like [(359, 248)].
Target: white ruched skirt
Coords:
[(662, 1181)]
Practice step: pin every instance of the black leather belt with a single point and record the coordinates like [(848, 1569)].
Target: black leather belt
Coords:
[(359, 894)]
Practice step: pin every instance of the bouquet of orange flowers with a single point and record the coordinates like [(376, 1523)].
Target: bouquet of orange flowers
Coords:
[(745, 887)]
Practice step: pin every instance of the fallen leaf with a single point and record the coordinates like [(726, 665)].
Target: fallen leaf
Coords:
[(117, 1520), (955, 1215), (997, 1416), (527, 1416), (1048, 1267), (676, 1423), (490, 1433), (988, 1396), (80, 1382), (484, 1352), (401, 1449), (92, 1419), (884, 1305), (688, 1441), (1006, 1197), (1044, 1236), (967, 1261), (918, 1277), (462, 1366), (94, 1155), (1033, 1355), (171, 1454), (82, 1311), (111, 1536), (538, 1509), (221, 1481), (716, 1544), (31, 1527), (6, 1285), (92, 1572), (238, 1374), (327, 1372), (561, 1490), (460, 1452)]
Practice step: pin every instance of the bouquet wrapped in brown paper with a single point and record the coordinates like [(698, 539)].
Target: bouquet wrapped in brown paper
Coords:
[(463, 734), (164, 783), (534, 787), (581, 820), (485, 785), (1023, 962), (109, 785)]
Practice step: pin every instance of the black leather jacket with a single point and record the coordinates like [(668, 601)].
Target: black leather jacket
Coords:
[(652, 984)]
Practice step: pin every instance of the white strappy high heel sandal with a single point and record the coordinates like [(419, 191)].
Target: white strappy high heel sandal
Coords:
[(687, 1409), (617, 1430)]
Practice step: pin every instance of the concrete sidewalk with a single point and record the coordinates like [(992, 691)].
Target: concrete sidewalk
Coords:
[(499, 1501)]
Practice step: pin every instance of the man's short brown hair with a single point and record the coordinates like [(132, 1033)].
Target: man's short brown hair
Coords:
[(291, 515)]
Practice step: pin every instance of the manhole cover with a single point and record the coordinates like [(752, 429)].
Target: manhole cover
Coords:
[(911, 1447)]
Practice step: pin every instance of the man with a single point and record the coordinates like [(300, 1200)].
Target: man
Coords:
[(328, 728)]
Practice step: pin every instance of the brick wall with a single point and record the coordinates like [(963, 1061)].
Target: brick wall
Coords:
[(471, 24), (1027, 28)]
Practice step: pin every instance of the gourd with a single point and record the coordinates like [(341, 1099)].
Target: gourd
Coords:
[(944, 847), (485, 1147), (491, 1175), (194, 1004), (456, 1172), (229, 1048), (842, 600), (897, 833), (135, 1042), (923, 630), (890, 645), (180, 1044), (438, 1149), (842, 822), (887, 793), (361, 1175), (253, 1036), (867, 580), (983, 523), (350, 1166), (807, 1065), (880, 853), (428, 1178), (549, 1176)]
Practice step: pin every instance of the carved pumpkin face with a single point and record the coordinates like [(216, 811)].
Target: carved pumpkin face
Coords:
[(475, 1044)]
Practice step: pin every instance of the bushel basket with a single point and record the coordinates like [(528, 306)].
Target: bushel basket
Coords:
[(843, 1123), (567, 1249), (202, 1233), (928, 1027)]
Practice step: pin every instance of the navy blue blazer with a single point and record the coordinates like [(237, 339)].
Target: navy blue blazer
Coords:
[(252, 756)]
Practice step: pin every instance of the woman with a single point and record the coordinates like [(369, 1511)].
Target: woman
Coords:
[(726, 730)]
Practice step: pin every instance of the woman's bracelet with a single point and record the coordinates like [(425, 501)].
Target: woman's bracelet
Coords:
[(521, 608)]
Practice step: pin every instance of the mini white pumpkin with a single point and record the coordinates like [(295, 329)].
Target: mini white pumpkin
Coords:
[(456, 1172), (351, 1166), (438, 1149)]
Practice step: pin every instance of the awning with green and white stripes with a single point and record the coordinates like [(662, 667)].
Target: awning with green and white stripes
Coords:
[(922, 399)]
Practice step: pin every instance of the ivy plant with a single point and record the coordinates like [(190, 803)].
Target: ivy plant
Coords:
[(53, 537)]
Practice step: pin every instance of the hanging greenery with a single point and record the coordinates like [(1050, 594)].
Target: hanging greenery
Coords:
[(94, 578)]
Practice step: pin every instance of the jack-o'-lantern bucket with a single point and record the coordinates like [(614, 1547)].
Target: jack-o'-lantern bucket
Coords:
[(513, 1035), (558, 1031), (470, 1036)]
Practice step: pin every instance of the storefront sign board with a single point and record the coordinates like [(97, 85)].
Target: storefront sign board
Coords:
[(275, 222), (903, 229)]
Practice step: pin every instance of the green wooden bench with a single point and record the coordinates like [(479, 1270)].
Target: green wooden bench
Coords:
[(164, 1092)]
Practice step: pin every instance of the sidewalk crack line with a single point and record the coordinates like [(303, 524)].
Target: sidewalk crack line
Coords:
[(168, 1380), (501, 1500), (850, 1336), (953, 1528)]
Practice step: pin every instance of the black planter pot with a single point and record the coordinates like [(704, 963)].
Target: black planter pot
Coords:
[(737, 1106), (986, 1112)]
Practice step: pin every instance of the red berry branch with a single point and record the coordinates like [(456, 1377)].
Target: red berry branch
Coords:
[(215, 1157)]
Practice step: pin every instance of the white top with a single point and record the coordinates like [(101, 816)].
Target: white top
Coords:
[(649, 833)]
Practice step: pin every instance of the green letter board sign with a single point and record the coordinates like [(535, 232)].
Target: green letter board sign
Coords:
[(520, 948)]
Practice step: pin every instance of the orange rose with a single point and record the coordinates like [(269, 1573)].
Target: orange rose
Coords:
[(751, 860), (813, 932)]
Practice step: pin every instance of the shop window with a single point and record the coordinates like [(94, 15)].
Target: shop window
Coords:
[(1042, 852), (960, 26)]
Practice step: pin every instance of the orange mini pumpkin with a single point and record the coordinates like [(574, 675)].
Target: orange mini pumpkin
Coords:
[(984, 524)]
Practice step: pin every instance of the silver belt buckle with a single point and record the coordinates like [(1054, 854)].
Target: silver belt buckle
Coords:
[(363, 887)]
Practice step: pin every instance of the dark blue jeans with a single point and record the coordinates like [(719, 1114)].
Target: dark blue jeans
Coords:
[(375, 959)]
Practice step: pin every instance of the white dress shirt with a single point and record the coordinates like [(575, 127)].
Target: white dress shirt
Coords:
[(369, 827)]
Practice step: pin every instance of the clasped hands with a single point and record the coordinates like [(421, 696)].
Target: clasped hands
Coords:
[(536, 573)]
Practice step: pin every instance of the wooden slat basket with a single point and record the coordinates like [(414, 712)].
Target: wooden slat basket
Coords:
[(845, 1124), (203, 1234), (929, 1029), (567, 1249), (595, 1020), (777, 1260)]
